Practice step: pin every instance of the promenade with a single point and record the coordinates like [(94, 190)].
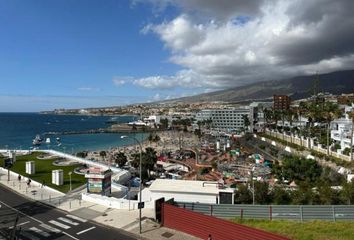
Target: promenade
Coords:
[(127, 220)]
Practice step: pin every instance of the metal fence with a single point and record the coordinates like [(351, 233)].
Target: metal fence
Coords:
[(274, 212)]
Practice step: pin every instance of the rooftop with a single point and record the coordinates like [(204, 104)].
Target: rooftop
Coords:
[(184, 186)]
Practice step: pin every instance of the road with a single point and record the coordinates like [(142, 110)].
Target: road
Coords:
[(37, 221)]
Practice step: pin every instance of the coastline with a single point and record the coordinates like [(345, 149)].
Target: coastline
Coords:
[(168, 142)]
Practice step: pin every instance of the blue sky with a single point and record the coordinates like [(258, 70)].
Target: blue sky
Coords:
[(92, 53), (54, 51)]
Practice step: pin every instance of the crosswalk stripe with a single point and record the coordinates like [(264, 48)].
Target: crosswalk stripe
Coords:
[(50, 228), (86, 230), (40, 232), (29, 236), (68, 221), (59, 224), (20, 224), (76, 218)]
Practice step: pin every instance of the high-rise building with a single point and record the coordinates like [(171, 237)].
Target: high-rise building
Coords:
[(228, 120), (281, 102)]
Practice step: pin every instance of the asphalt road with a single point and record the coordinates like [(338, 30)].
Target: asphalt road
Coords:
[(37, 221)]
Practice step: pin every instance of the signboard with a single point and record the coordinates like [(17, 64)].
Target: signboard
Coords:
[(99, 181), (8, 163), (141, 205)]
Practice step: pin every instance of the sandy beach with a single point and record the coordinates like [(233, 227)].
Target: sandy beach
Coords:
[(170, 141)]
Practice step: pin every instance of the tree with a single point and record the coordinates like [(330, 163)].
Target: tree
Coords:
[(331, 112), (303, 195), (151, 138), (348, 192), (149, 159), (277, 170), (164, 123), (156, 138), (103, 154), (268, 116), (243, 195), (81, 154), (246, 121), (300, 169), (204, 171), (281, 196), (261, 193), (120, 159), (325, 194)]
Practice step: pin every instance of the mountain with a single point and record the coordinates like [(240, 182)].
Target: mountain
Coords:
[(297, 87)]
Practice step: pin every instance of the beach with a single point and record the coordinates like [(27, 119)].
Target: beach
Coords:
[(170, 141)]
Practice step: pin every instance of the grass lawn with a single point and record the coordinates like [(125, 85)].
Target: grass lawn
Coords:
[(312, 230), (44, 172)]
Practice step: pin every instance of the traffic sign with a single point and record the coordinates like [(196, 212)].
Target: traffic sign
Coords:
[(141, 205)]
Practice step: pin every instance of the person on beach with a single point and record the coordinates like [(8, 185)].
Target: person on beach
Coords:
[(19, 177), (28, 183)]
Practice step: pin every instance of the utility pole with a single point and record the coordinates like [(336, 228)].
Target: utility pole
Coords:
[(351, 137)]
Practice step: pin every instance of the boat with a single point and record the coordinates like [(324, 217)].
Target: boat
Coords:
[(37, 140), (58, 141), (137, 123), (47, 141)]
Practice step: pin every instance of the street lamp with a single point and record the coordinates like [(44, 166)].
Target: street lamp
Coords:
[(351, 137), (140, 176), (253, 191), (70, 179)]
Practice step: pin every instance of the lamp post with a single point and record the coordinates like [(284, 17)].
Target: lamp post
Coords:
[(351, 137), (253, 191), (70, 179), (140, 176)]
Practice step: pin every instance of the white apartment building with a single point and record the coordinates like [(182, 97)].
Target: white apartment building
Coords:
[(228, 120), (341, 129)]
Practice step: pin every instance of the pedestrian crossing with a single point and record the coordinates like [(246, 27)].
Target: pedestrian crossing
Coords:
[(52, 227), (68, 221)]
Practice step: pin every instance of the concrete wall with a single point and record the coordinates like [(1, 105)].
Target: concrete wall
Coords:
[(185, 197), (308, 143)]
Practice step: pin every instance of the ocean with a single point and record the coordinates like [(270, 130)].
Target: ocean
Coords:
[(17, 130)]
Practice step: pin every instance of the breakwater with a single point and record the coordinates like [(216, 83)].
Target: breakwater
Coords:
[(115, 129)]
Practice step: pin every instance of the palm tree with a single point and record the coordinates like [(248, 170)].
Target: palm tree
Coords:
[(331, 112), (268, 116), (120, 159), (289, 118), (149, 159), (351, 115), (246, 121), (151, 138), (156, 139)]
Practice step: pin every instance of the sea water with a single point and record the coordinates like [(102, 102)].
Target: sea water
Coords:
[(17, 130)]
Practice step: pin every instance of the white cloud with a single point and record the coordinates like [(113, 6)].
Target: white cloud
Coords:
[(156, 97), (119, 81), (183, 79), (89, 89), (258, 40)]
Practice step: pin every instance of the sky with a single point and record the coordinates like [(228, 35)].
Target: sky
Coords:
[(91, 53)]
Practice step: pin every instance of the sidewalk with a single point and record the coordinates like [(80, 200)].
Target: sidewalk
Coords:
[(117, 218)]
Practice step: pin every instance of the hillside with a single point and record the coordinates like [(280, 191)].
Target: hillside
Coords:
[(298, 87)]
